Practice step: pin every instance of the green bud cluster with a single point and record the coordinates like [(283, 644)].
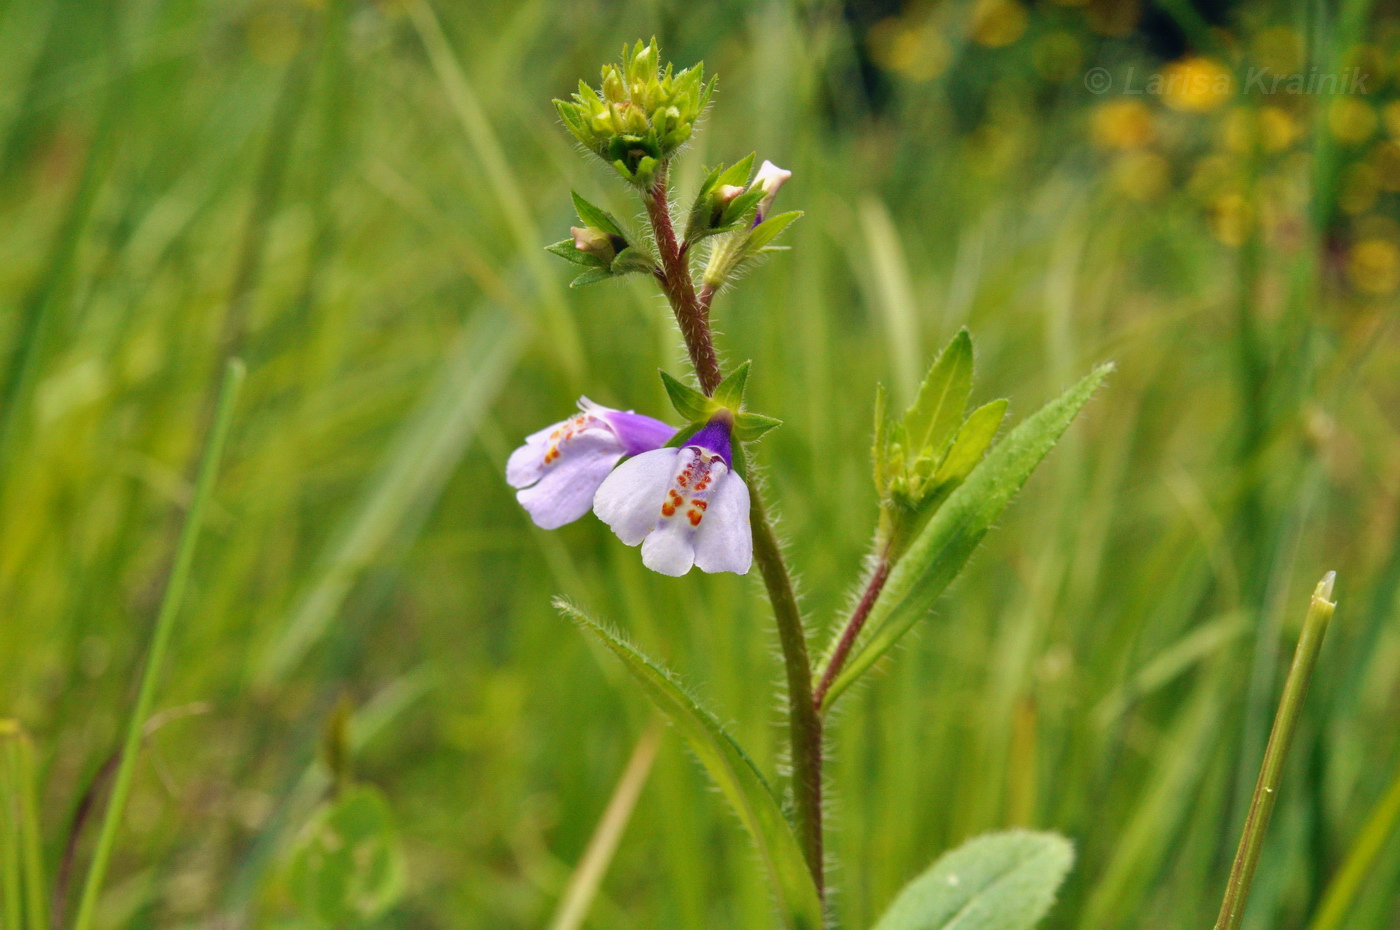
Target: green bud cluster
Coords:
[(921, 458), (640, 115)]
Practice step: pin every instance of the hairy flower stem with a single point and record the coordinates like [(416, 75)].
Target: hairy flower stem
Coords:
[(804, 723), (852, 631), (692, 316)]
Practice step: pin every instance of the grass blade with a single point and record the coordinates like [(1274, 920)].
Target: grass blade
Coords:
[(417, 466), (1261, 807), (160, 640)]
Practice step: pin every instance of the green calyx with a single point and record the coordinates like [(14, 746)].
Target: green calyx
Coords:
[(601, 246), (640, 114), (725, 202), (921, 458), (697, 409)]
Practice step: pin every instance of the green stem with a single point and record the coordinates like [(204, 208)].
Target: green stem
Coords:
[(31, 852), (804, 723), (1380, 826), (160, 639), (1261, 807)]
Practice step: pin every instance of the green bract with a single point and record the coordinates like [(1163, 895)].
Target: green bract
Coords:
[(640, 114), (923, 457), (601, 246)]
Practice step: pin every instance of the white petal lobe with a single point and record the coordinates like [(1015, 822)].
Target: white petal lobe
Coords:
[(629, 501)]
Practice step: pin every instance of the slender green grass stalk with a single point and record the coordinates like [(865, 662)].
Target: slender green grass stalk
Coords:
[(584, 882), (9, 837), (21, 751), (1261, 807), (1380, 826), (233, 375)]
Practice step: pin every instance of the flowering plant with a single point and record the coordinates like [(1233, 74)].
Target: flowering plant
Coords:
[(687, 496)]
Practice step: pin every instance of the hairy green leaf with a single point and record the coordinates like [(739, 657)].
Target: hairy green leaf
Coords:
[(591, 276), (768, 230), (738, 779), (944, 545), (938, 409), (1000, 881), (974, 436), (591, 215)]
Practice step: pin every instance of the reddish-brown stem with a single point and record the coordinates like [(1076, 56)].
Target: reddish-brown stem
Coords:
[(804, 723), (852, 631), (692, 315)]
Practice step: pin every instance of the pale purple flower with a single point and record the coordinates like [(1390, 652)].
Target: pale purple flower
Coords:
[(685, 506), (560, 467), (768, 179)]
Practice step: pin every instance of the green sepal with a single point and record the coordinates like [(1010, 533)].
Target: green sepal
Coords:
[(692, 405), (730, 392), (591, 215), (566, 250), (683, 435), (591, 276), (750, 426)]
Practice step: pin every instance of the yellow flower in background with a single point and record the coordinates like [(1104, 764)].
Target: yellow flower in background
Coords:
[(1057, 55), (1359, 187), (1196, 84), (997, 23), (917, 51), (1122, 125), (1352, 120), (1230, 219), (1141, 175), (1277, 129), (1373, 266), (1385, 158), (1279, 50), (1392, 118)]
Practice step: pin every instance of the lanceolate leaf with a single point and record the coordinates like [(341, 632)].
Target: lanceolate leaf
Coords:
[(566, 250), (942, 548), (974, 436), (942, 397), (732, 771), (750, 426), (597, 217), (1000, 881), (769, 229)]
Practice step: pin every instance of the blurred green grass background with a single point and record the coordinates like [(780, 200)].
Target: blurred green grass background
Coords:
[(354, 197)]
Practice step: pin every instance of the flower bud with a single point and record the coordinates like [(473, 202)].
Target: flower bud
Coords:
[(769, 179), (594, 241)]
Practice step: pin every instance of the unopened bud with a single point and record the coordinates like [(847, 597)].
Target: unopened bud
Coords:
[(594, 241), (769, 179)]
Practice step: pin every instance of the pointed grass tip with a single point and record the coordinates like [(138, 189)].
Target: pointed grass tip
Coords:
[(1324, 587)]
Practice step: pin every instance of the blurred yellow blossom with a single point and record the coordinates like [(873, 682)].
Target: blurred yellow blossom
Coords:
[(1113, 18), (1270, 127), (1279, 50), (1122, 125), (1231, 219), (1392, 118), (1358, 189), (1057, 55), (1373, 266), (1351, 119), (1385, 158), (1196, 84), (1141, 175), (997, 23), (919, 52)]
